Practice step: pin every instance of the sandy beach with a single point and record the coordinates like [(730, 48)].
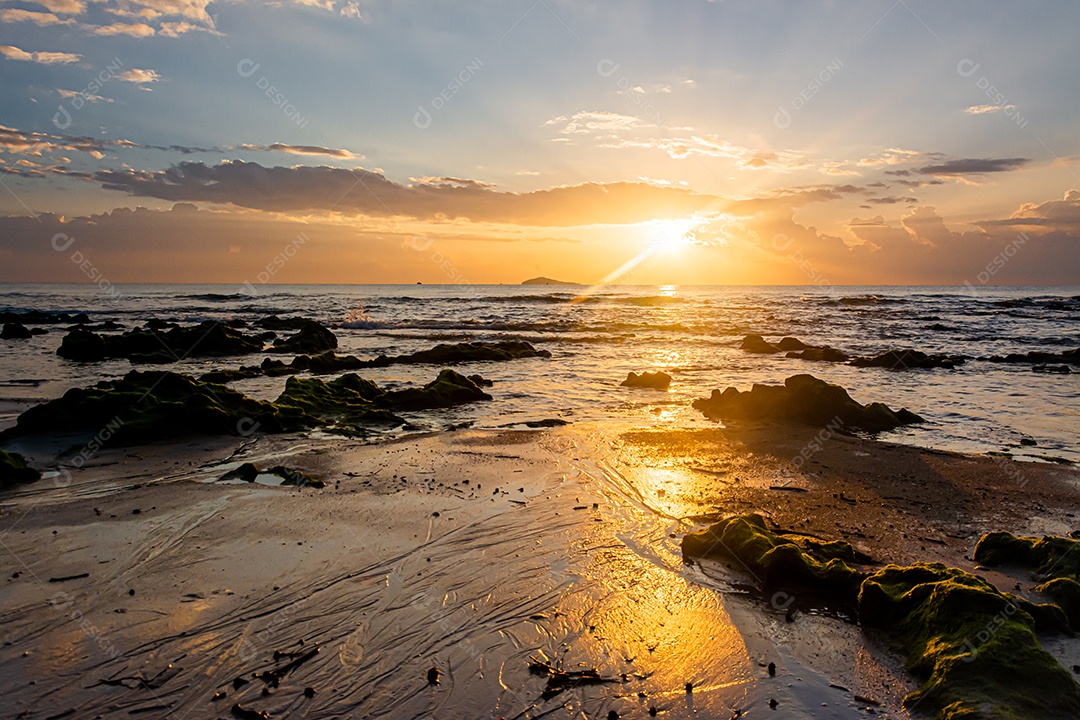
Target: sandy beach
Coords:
[(433, 570)]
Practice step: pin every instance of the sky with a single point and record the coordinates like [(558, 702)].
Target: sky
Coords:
[(643, 142)]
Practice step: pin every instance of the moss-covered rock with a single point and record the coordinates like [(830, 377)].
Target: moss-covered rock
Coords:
[(450, 388), (349, 398), (782, 562), (1065, 593), (973, 647), (1053, 556), (312, 338), (15, 470), (207, 339), (803, 399), (147, 406)]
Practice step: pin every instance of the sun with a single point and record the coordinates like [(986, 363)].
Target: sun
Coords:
[(671, 236)]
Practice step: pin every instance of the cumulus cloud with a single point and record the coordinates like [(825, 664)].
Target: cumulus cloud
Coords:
[(136, 30), (15, 15), (138, 76), (42, 58)]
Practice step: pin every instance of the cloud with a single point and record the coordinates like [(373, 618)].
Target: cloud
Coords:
[(42, 58), (14, 15), (38, 144), (136, 30), (987, 109), (302, 150), (891, 200), (363, 192), (87, 96), (973, 166), (62, 7), (138, 76)]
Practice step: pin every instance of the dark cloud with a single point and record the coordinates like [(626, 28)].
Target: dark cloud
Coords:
[(974, 166), (892, 200), (363, 192)]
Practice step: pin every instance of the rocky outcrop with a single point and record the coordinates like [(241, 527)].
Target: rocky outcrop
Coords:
[(805, 400), (208, 339), (757, 344), (909, 360), (972, 647), (15, 331), (14, 470), (312, 338), (1071, 357), (648, 380)]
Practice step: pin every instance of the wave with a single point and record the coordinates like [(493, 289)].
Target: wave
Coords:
[(858, 300)]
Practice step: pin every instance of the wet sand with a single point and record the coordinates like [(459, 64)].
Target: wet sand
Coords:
[(476, 553)]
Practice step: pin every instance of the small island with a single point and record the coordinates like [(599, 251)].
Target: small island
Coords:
[(546, 281)]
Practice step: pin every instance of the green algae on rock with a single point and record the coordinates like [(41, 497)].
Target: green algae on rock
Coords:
[(154, 405), (1054, 556), (15, 470), (782, 562), (448, 389), (312, 337), (806, 400), (349, 398), (207, 339), (974, 647)]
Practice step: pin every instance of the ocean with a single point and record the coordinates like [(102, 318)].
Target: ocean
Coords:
[(597, 336)]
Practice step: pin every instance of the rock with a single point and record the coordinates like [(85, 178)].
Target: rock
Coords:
[(312, 338), (15, 331), (273, 322), (1052, 369), (1071, 357), (448, 389), (757, 344), (1041, 555), (803, 399), (973, 647), (909, 360), (246, 472), (546, 423), (466, 352), (208, 339), (147, 406), (350, 399), (652, 381), (789, 344), (37, 317), (820, 354), (83, 346), (1065, 593), (14, 470), (296, 478)]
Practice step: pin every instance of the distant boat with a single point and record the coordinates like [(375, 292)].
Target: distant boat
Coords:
[(419, 283), (547, 281)]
